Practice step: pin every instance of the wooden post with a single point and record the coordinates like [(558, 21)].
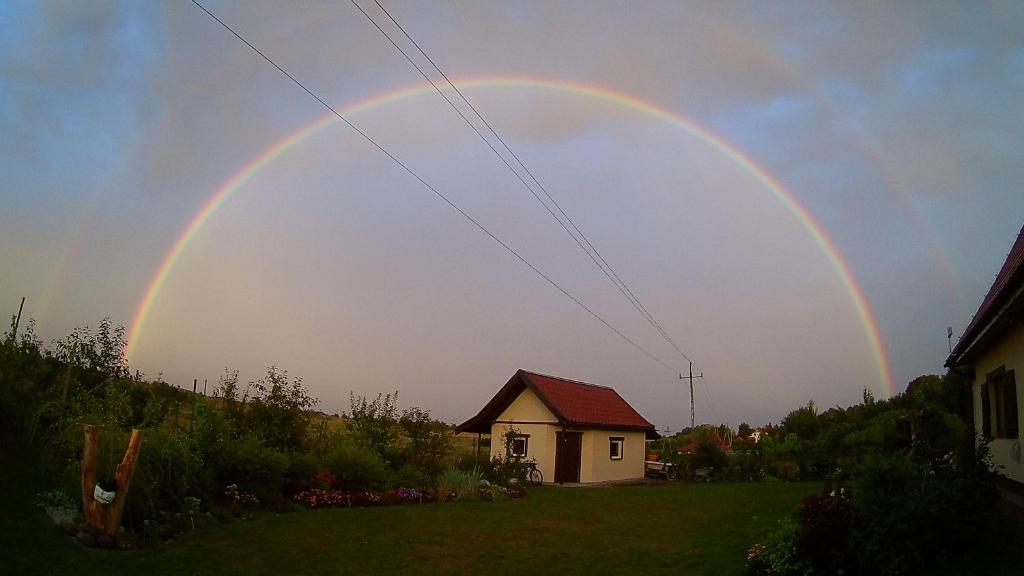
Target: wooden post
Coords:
[(106, 517)]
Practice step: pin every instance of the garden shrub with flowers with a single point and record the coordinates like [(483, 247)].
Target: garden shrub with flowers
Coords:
[(320, 498)]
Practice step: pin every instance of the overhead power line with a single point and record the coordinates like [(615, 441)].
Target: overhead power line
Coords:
[(436, 192), (568, 225)]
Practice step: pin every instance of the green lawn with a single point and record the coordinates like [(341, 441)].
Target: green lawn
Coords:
[(679, 528), (668, 528)]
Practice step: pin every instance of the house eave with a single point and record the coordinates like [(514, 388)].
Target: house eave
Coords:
[(968, 349)]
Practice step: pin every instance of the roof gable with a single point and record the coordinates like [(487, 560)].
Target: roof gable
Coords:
[(527, 406), (1007, 283), (572, 403)]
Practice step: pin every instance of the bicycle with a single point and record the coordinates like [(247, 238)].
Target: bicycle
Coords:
[(534, 476)]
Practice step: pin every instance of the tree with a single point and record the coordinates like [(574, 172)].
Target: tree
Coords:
[(279, 410), (803, 422), (376, 420), (744, 430), (429, 440)]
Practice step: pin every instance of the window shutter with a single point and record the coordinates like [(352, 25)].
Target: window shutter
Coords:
[(1010, 414), (986, 416)]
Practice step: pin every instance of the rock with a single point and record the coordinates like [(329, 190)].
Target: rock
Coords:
[(69, 528), (105, 541)]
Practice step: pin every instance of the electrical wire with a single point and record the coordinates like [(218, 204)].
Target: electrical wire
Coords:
[(436, 192), (571, 228)]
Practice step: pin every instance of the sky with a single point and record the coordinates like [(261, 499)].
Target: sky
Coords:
[(802, 196)]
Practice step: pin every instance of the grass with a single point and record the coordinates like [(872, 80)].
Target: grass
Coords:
[(667, 528), (679, 528)]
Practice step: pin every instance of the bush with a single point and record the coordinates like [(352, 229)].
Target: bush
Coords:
[(256, 468), (501, 471), (355, 465), (303, 470), (709, 455), (412, 477), (278, 411), (776, 556), (428, 441), (454, 484), (912, 513), (167, 473), (377, 420)]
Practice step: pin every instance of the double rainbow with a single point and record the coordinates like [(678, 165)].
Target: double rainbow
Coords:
[(232, 185)]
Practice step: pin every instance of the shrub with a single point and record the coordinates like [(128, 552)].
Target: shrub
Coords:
[(709, 455), (278, 411), (412, 477), (355, 465), (454, 484), (776, 556), (503, 470), (428, 441), (302, 474), (826, 521), (256, 468), (377, 420)]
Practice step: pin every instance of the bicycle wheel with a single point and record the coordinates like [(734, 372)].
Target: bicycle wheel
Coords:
[(535, 477)]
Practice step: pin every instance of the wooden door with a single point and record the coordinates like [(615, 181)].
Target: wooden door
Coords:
[(568, 451)]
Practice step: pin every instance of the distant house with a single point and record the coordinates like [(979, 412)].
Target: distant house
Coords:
[(577, 432), (992, 349)]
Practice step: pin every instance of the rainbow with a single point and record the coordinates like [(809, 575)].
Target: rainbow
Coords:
[(232, 185)]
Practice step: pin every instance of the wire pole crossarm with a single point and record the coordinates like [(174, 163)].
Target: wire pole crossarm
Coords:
[(690, 378)]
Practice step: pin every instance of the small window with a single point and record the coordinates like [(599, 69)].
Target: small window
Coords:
[(999, 404), (518, 445), (615, 448)]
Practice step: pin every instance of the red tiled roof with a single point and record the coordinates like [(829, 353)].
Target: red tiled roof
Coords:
[(582, 403), (1009, 277), (575, 404)]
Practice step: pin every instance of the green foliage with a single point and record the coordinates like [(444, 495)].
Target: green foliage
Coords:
[(803, 422), (776, 556), (256, 468), (709, 455), (410, 476), (907, 485), (354, 464), (459, 484), (502, 471), (376, 420), (428, 441), (167, 473), (278, 410)]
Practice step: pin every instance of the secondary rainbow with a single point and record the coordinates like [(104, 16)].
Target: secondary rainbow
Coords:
[(233, 184)]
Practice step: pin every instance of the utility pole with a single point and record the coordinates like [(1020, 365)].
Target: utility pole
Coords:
[(690, 378), (949, 338), (14, 329)]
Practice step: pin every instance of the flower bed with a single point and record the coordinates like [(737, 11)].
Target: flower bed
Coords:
[(319, 498)]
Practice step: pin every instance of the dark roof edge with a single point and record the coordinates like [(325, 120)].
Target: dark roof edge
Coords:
[(566, 380), (967, 342), (1000, 296)]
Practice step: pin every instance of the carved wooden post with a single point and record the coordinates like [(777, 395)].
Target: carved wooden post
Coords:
[(107, 517)]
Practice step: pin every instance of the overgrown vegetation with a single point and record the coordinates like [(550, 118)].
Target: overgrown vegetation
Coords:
[(907, 485), (257, 445)]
